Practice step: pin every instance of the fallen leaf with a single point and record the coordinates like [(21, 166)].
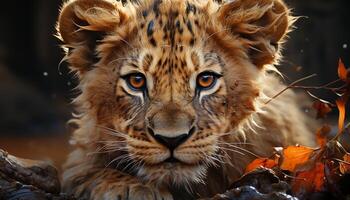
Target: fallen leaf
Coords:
[(312, 180), (342, 72), (261, 162), (294, 156), (341, 107), (321, 135), (344, 167)]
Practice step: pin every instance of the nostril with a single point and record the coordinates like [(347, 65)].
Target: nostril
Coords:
[(171, 142)]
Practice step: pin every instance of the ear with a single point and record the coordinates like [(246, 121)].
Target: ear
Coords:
[(82, 24), (260, 24)]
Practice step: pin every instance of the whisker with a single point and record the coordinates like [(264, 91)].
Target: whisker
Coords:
[(232, 150), (136, 113), (134, 163), (212, 159), (110, 142), (237, 143), (125, 156), (105, 151), (227, 158), (113, 132), (230, 145), (107, 148), (242, 149)]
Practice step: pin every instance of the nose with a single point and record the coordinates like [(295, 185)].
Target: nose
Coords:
[(171, 142)]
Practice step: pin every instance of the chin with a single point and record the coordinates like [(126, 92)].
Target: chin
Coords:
[(173, 173)]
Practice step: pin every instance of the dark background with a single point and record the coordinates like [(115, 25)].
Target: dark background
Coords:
[(36, 91)]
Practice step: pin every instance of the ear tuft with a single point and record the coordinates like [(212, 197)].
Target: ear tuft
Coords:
[(78, 17), (82, 26), (260, 24)]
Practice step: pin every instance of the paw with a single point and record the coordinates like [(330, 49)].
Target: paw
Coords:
[(135, 191), (143, 192)]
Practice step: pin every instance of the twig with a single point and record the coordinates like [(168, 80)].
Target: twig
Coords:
[(290, 86)]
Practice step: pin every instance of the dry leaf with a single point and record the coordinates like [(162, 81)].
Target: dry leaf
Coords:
[(309, 181), (344, 167), (342, 72), (261, 162), (294, 156), (341, 107)]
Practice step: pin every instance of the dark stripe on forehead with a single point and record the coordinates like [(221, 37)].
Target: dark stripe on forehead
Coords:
[(191, 8), (150, 31), (189, 26), (156, 7), (153, 42), (178, 26), (150, 28), (192, 41), (144, 13)]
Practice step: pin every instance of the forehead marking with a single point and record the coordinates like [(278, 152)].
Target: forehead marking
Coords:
[(150, 28), (170, 26), (191, 8), (147, 62), (144, 13), (153, 42), (189, 26), (156, 7)]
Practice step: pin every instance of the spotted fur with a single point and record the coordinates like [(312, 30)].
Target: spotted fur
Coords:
[(171, 42)]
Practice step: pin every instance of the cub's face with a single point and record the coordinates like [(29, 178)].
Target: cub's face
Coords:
[(174, 106), (163, 82)]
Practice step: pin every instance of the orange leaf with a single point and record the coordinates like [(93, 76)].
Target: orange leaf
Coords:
[(294, 156), (344, 167), (261, 162), (322, 108), (321, 135), (309, 181), (341, 107), (342, 72)]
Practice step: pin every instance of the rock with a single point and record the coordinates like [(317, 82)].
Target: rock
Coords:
[(28, 179), (261, 184)]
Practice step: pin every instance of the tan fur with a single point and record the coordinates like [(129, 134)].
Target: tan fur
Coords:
[(171, 42)]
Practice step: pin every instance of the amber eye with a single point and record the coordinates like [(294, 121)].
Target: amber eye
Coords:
[(136, 81), (206, 80)]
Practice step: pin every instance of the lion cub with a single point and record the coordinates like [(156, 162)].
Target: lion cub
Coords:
[(172, 95)]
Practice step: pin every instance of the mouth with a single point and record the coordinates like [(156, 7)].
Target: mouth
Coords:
[(172, 171), (172, 159)]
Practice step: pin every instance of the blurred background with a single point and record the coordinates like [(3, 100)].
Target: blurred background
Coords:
[(36, 90)]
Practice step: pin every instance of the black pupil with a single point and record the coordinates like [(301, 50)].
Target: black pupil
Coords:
[(136, 81), (206, 78)]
